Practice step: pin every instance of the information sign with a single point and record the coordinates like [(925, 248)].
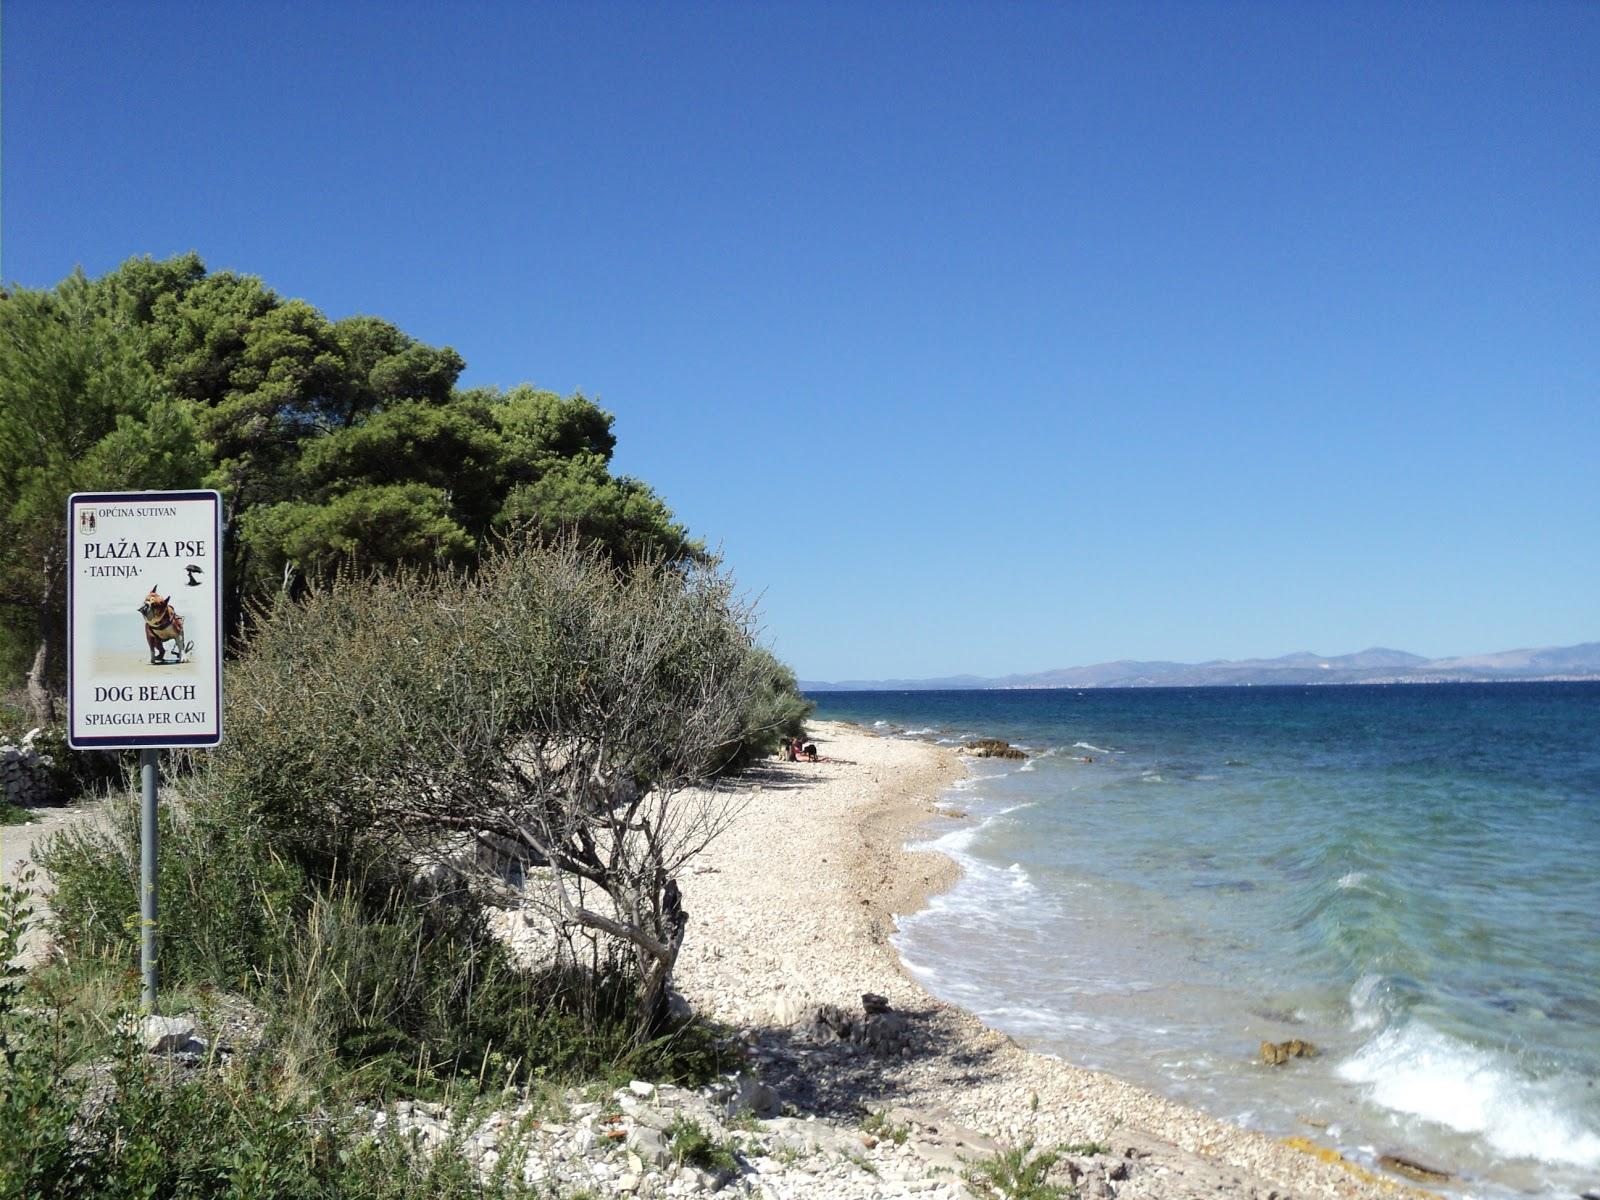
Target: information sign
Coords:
[(144, 620)]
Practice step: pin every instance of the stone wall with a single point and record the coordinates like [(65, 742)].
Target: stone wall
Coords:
[(25, 773)]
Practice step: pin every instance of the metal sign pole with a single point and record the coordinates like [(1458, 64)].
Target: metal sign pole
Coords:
[(149, 768)]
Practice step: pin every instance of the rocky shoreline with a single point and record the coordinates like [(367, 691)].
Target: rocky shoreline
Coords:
[(791, 911)]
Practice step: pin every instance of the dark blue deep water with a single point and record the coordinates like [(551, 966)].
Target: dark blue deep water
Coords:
[(1407, 876)]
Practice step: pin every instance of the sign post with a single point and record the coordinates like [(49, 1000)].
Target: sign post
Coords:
[(149, 832), (144, 646)]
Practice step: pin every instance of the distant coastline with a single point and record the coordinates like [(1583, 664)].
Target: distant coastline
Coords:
[(1557, 664)]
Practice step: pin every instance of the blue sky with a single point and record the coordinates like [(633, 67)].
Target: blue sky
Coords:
[(989, 337)]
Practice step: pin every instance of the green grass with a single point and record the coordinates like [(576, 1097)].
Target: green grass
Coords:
[(261, 1123), (1088, 1148), (219, 1131), (371, 994), (692, 1144), (877, 1123), (860, 1163), (1017, 1174), (15, 814)]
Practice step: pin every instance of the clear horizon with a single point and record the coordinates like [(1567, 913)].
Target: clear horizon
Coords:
[(979, 338)]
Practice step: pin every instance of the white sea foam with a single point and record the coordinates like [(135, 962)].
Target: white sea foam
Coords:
[(952, 843), (1032, 763), (916, 732), (1367, 1009), (920, 970), (1413, 1068), (1011, 808), (1088, 746), (1352, 881)]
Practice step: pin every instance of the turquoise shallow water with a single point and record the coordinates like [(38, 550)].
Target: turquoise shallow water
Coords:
[(1407, 876)]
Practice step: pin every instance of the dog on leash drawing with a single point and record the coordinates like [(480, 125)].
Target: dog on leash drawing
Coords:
[(162, 624)]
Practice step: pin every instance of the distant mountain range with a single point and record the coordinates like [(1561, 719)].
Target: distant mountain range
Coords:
[(1376, 665)]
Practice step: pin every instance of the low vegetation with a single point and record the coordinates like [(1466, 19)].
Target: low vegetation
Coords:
[(550, 721), (1019, 1173), (878, 1124), (1087, 1149), (690, 1143), (84, 1113)]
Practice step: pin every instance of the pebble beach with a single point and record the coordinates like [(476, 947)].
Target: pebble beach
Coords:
[(791, 913)]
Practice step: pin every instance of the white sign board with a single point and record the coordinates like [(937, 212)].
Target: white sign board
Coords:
[(144, 620)]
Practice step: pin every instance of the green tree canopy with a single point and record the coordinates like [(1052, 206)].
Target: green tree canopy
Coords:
[(80, 409), (330, 440)]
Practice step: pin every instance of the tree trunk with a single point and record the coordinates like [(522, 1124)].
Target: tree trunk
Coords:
[(50, 620), (39, 694), (651, 1008)]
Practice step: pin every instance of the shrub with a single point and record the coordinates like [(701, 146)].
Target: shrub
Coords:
[(217, 1135), (1016, 1174), (551, 706), (227, 895), (381, 732), (37, 1104), (78, 1125), (878, 1124), (777, 710), (374, 995), (398, 1001)]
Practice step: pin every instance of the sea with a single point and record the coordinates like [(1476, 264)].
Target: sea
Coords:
[(1406, 876)]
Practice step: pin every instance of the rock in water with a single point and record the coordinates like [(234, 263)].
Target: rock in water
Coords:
[(992, 748), (1403, 1164), (1276, 1053)]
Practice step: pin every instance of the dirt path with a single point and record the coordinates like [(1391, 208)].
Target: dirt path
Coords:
[(18, 844)]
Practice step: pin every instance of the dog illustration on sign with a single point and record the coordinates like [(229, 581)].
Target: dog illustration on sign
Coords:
[(162, 624)]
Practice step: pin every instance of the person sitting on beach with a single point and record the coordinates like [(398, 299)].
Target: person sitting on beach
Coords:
[(793, 751)]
